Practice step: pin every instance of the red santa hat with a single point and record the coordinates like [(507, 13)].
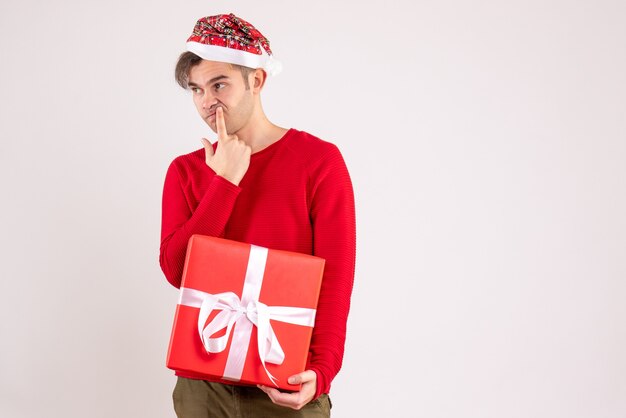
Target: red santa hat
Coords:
[(228, 38)]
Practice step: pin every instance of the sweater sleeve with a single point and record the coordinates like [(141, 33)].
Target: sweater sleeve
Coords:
[(334, 238), (180, 222)]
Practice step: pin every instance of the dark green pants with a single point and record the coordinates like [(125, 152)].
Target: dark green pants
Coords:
[(201, 399)]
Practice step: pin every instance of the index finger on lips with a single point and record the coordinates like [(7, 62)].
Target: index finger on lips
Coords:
[(220, 124)]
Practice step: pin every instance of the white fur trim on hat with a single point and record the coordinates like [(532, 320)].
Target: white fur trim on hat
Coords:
[(236, 56)]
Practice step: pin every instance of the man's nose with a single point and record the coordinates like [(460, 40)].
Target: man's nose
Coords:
[(208, 100)]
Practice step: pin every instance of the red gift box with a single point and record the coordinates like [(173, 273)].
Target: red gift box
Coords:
[(245, 313)]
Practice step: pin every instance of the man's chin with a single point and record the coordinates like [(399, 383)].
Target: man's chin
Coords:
[(211, 125)]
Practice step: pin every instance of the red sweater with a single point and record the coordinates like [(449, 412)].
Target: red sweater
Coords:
[(295, 196)]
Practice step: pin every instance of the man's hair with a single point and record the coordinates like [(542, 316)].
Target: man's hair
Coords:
[(187, 60)]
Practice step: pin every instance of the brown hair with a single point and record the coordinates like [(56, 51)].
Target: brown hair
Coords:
[(187, 60)]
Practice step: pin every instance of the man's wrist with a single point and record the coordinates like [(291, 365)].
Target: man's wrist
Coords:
[(230, 180)]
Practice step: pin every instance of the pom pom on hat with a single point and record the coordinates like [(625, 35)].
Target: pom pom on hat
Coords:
[(228, 38)]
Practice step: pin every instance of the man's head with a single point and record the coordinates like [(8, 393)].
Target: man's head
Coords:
[(234, 88), (220, 47)]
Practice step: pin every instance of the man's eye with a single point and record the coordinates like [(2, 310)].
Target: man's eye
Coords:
[(195, 90), (218, 86)]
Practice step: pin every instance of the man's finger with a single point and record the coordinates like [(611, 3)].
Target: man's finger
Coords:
[(208, 147), (305, 376), (220, 124), (282, 398)]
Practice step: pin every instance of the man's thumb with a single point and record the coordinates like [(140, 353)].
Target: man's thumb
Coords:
[(208, 147)]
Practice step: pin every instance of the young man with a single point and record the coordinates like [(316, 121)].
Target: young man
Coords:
[(262, 184)]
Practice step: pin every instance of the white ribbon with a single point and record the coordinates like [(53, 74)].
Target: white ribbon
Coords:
[(242, 314)]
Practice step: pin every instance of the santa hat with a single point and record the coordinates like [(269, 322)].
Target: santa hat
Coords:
[(228, 38)]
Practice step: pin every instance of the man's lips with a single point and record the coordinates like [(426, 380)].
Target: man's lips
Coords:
[(212, 114)]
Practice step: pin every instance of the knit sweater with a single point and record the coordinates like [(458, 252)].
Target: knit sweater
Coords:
[(296, 196)]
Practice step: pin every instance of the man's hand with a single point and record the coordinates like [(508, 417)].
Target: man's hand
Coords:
[(295, 400), (232, 157)]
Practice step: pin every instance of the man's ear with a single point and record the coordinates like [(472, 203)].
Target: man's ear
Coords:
[(258, 79)]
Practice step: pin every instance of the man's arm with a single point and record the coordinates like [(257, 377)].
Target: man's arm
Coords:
[(179, 223), (334, 232), (334, 238), (230, 162)]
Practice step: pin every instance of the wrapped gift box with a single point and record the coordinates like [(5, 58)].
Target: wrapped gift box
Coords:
[(245, 313)]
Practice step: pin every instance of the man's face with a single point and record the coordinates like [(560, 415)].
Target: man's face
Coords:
[(218, 84)]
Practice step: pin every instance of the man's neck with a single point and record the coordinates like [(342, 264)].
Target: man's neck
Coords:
[(259, 133)]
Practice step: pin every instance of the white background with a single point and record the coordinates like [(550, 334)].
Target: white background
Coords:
[(487, 145)]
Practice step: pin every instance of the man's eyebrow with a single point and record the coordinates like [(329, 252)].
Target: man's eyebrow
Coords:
[(213, 80)]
